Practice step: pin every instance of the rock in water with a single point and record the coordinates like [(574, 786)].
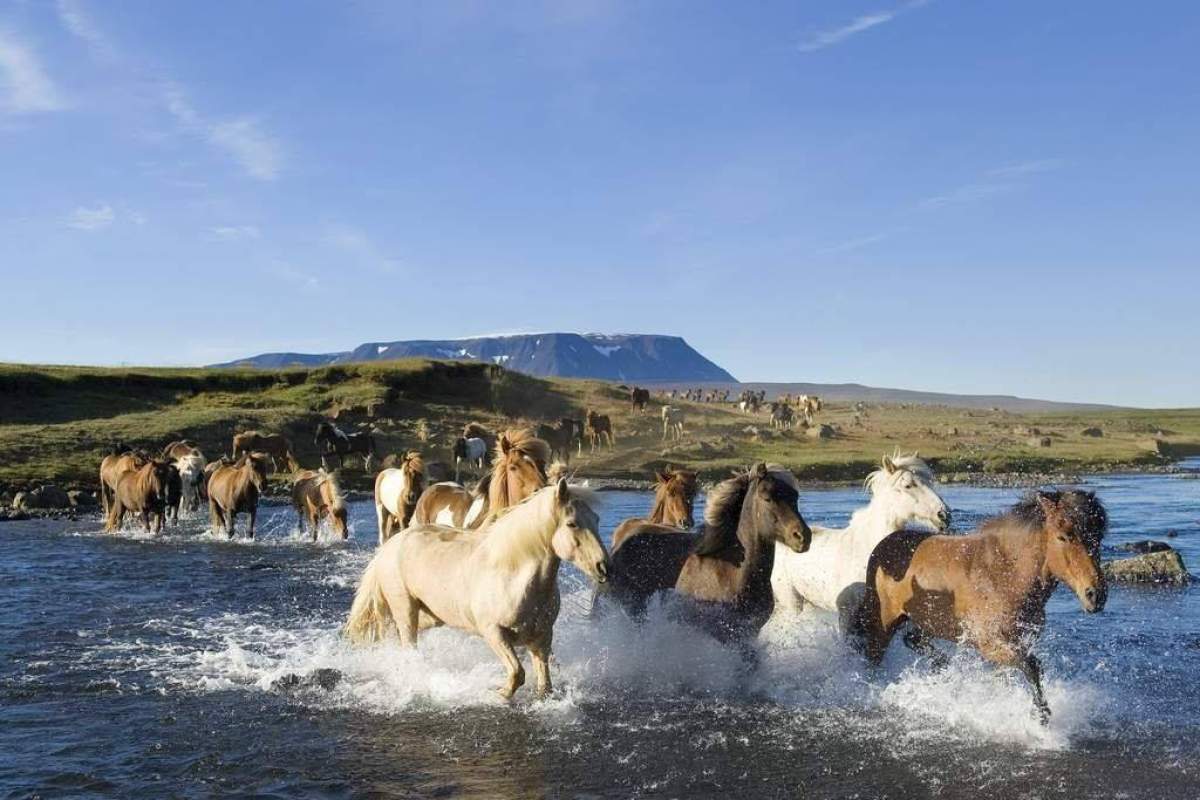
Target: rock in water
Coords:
[(1158, 566)]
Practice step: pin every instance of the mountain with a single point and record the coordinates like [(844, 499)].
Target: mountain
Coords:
[(616, 357)]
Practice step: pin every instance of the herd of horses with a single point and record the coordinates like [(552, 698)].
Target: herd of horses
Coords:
[(485, 558)]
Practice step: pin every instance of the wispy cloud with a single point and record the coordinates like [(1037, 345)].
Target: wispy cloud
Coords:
[(294, 277), (356, 244), (259, 154), (79, 24), (859, 243), (91, 219), (995, 181), (25, 88), (234, 232), (1027, 167), (832, 36)]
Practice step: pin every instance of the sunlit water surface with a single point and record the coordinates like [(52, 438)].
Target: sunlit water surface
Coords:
[(189, 666)]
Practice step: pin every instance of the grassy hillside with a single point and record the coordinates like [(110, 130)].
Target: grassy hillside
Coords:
[(56, 422)]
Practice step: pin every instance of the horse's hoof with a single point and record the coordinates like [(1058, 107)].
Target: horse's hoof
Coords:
[(504, 693)]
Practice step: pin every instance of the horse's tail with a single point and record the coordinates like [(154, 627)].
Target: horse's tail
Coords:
[(369, 613), (869, 611)]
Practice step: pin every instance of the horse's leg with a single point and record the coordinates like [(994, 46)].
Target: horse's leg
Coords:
[(916, 640), (214, 517), (1007, 654), (253, 517), (539, 653), (1032, 669), (497, 639)]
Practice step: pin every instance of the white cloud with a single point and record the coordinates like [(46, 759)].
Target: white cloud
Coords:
[(359, 246), (828, 38), (259, 154), (233, 232), (25, 88), (1028, 167), (137, 218), (73, 17), (91, 219)]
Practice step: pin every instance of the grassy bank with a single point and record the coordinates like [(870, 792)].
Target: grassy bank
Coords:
[(57, 422)]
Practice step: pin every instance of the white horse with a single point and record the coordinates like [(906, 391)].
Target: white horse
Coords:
[(191, 477), (471, 449), (831, 574), (502, 586), (396, 493), (672, 419)]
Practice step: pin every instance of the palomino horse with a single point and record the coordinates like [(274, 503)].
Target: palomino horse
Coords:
[(518, 470), (672, 421), (599, 429), (396, 493), (234, 489), (316, 496), (502, 587), (272, 444), (727, 567), (334, 441), (987, 588), (673, 510), (142, 491), (473, 451), (560, 437), (112, 466), (639, 397), (830, 575)]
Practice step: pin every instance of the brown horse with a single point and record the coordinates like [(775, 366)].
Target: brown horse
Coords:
[(316, 496), (599, 429), (560, 437), (639, 397), (178, 449), (673, 510), (274, 445), (518, 470), (234, 489), (141, 491), (988, 588), (112, 466), (397, 490), (727, 566)]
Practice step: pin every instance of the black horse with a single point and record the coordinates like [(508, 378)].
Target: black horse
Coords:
[(334, 441)]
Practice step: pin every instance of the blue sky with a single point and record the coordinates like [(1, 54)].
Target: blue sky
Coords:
[(943, 195)]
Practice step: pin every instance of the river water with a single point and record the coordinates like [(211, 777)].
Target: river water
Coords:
[(185, 666)]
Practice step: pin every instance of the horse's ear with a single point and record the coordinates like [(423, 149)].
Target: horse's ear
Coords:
[(564, 492), (662, 476), (505, 444), (889, 465)]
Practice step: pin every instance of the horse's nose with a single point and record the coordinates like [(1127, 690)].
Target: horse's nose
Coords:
[(1095, 598), (944, 517), (601, 571)]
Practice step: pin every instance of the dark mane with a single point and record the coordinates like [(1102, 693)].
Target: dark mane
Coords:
[(721, 517), (1082, 509)]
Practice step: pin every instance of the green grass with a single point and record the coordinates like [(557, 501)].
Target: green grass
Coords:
[(57, 422)]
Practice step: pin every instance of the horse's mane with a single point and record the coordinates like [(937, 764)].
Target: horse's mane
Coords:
[(330, 479), (1082, 509), (724, 510), (523, 442), (910, 462)]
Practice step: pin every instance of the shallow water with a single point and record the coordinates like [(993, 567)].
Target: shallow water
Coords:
[(188, 666)]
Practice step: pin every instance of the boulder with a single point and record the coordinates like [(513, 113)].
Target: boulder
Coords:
[(1093, 432), (48, 496), (1145, 546), (1040, 441), (82, 499), (821, 431), (1158, 566)]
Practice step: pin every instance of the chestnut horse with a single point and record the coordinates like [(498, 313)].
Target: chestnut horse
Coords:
[(673, 510), (316, 496), (988, 588), (141, 491), (518, 470), (234, 489), (112, 466), (397, 490), (560, 437), (599, 429), (272, 444), (726, 568)]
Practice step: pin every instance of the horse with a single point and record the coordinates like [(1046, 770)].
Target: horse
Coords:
[(639, 397), (672, 420), (234, 489), (673, 510), (474, 430), (178, 449), (273, 444), (174, 494), (473, 450), (502, 587), (334, 441), (396, 493), (599, 428), (989, 588), (726, 567), (112, 466), (316, 496), (830, 575), (518, 470), (143, 491), (209, 469), (781, 415), (191, 475), (560, 437)]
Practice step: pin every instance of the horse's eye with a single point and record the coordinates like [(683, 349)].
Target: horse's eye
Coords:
[(1062, 537)]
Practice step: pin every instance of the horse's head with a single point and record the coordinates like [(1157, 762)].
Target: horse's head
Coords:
[(520, 469), (257, 464), (904, 486), (577, 536), (773, 499), (675, 497), (1074, 523), (414, 477)]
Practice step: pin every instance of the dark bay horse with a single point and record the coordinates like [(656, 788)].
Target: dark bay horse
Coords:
[(275, 445), (725, 569), (334, 441), (599, 429), (639, 397), (988, 588), (560, 437), (673, 510)]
